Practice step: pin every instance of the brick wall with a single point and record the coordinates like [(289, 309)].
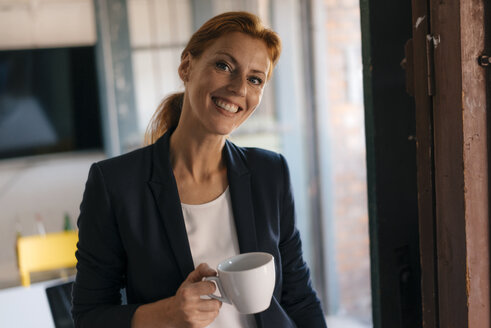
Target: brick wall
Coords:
[(347, 135)]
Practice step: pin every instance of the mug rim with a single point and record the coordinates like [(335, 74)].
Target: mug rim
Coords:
[(268, 255)]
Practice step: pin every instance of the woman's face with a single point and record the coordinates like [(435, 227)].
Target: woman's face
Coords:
[(225, 84)]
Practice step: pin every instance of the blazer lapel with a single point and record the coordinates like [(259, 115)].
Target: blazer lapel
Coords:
[(239, 179), (164, 190)]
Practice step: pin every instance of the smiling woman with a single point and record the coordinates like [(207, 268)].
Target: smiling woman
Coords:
[(157, 220)]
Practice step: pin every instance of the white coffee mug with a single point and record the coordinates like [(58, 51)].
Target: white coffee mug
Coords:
[(246, 281)]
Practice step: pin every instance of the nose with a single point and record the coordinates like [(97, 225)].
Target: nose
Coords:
[(238, 85)]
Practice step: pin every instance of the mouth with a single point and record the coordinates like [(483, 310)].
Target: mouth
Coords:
[(225, 105)]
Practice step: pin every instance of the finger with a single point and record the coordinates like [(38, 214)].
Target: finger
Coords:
[(191, 292), (203, 287), (206, 318), (203, 270), (209, 305)]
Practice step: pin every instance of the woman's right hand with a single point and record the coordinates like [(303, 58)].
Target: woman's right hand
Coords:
[(186, 309)]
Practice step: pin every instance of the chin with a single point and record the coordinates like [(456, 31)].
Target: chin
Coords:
[(222, 128), (224, 133)]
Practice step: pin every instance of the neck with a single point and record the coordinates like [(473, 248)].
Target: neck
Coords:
[(195, 155)]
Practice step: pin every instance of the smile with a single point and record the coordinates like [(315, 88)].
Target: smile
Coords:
[(229, 107)]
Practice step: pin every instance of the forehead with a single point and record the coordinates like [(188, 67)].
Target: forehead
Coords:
[(242, 47)]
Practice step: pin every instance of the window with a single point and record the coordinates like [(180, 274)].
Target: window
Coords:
[(159, 30)]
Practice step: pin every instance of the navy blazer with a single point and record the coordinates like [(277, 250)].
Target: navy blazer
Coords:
[(132, 235)]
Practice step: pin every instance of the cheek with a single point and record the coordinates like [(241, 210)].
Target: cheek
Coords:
[(255, 99), (201, 91)]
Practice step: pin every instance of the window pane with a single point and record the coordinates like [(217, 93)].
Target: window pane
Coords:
[(159, 30)]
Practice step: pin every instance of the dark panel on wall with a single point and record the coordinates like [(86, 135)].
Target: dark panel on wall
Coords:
[(49, 101), (87, 119)]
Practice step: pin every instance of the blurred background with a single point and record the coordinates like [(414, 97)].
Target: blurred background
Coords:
[(80, 79)]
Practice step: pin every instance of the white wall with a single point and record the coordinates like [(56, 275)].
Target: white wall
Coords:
[(50, 185), (46, 23)]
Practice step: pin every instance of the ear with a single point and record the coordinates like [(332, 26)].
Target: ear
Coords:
[(185, 67)]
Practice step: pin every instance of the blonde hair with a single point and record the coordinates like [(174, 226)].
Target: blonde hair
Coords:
[(169, 110)]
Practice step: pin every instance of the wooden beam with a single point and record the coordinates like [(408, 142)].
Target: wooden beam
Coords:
[(475, 152), (461, 166), (449, 168)]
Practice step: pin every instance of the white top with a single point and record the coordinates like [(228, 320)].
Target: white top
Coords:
[(213, 238)]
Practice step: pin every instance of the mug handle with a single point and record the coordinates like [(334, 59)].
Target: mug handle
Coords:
[(223, 298)]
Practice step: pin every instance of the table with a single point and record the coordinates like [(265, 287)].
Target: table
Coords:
[(27, 306)]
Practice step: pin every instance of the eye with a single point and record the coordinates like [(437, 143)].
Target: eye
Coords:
[(255, 80), (223, 66)]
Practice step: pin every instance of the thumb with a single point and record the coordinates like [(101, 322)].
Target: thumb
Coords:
[(203, 270)]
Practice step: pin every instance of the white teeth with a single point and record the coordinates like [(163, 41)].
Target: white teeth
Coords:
[(227, 106)]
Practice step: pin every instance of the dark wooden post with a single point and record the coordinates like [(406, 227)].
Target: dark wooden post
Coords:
[(453, 196)]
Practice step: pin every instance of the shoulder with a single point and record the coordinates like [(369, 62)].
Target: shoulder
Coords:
[(253, 155), (133, 164), (259, 162)]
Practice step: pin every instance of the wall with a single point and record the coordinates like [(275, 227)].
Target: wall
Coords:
[(50, 186), (42, 24)]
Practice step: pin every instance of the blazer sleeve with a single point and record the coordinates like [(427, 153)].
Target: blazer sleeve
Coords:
[(298, 297), (101, 261)]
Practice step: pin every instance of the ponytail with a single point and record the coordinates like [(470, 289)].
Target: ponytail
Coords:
[(165, 117)]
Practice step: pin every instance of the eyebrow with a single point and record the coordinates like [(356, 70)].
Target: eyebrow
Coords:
[(235, 62)]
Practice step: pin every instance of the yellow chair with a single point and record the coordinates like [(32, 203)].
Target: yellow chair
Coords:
[(46, 252)]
